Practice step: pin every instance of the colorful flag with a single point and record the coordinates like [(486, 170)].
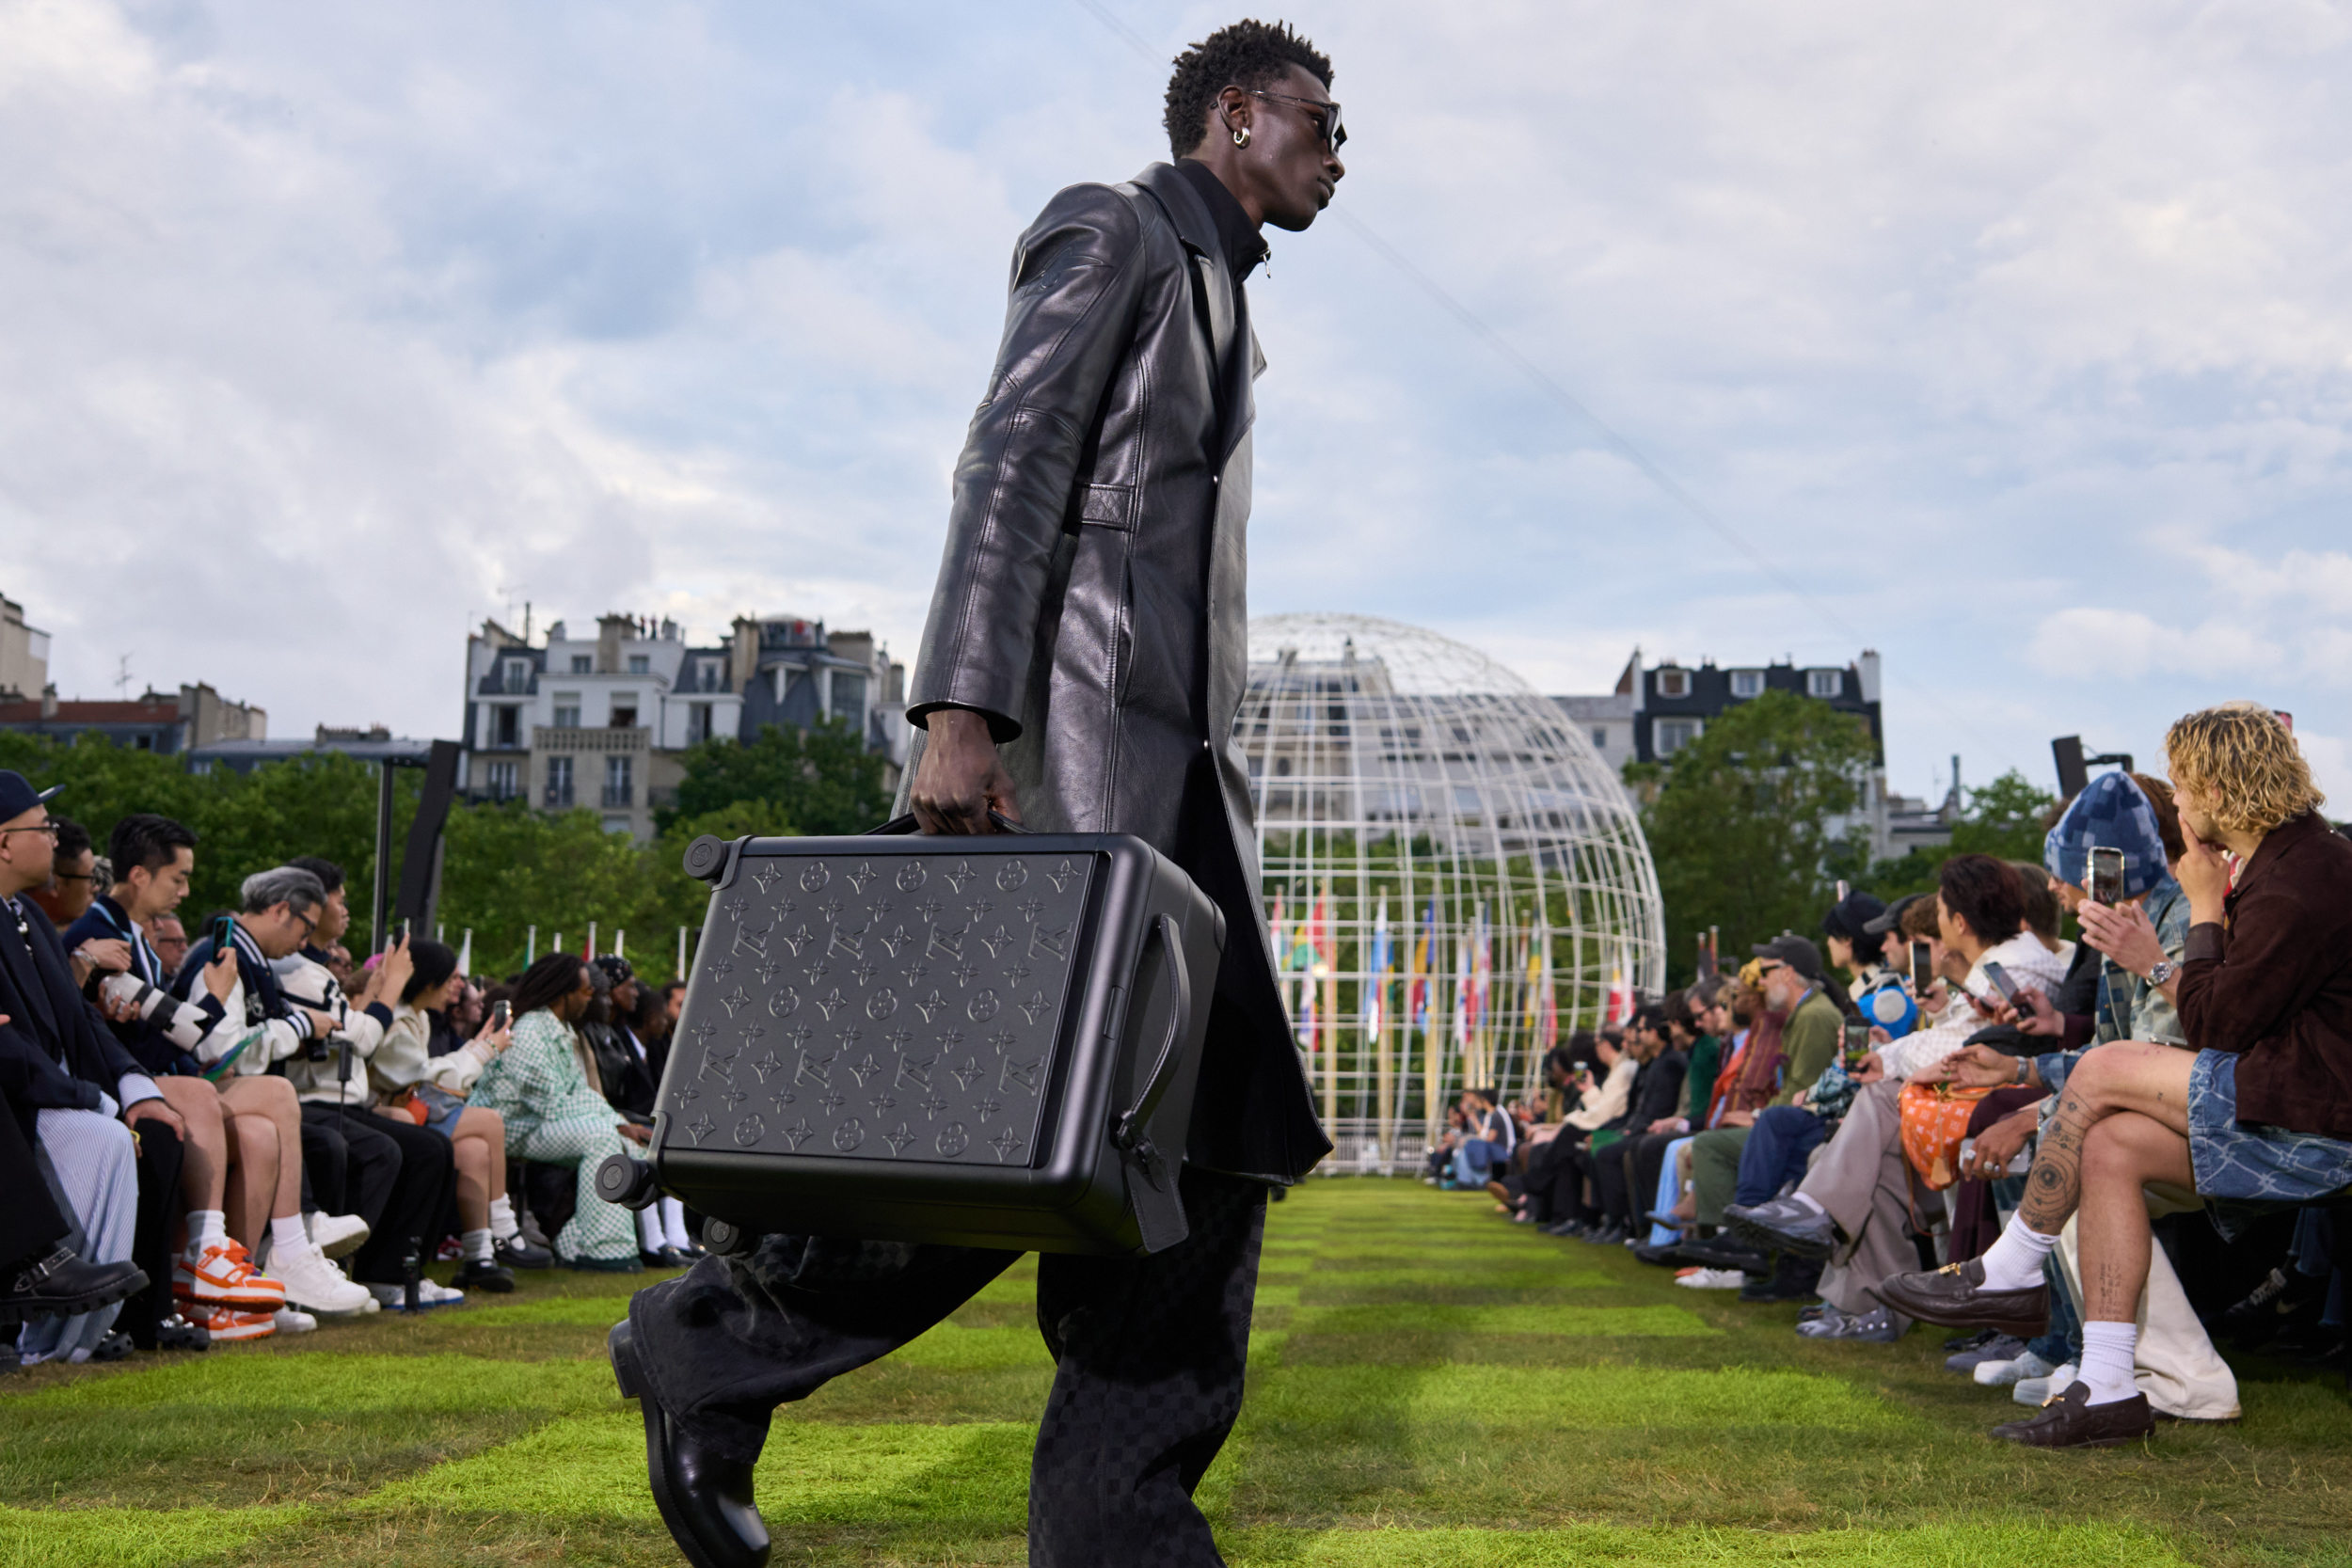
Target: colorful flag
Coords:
[(1620, 1007), (1417, 978), (1377, 975)]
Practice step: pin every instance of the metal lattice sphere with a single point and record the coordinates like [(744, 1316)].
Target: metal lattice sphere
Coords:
[(1455, 878)]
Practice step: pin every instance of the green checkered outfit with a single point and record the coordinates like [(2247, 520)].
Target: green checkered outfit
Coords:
[(553, 1116)]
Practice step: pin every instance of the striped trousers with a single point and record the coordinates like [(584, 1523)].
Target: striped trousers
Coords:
[(92, 1167), (597, 1228)]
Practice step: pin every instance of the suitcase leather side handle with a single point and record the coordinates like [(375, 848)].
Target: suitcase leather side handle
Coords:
[(1128, 1131)]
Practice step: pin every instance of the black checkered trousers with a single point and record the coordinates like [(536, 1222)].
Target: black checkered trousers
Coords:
[(1150, 1353)]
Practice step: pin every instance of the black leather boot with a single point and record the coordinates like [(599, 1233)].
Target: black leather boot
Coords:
[(60, 1285), (704, 1499)]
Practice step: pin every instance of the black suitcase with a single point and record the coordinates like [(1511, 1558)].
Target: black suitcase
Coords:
[(988, 1042)]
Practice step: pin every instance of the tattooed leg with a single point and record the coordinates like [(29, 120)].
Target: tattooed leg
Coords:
[(2128, 1075), (2121, 1155)]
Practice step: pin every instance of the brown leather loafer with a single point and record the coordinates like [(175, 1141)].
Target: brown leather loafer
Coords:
[(1954, 1297), (2072, 1421)]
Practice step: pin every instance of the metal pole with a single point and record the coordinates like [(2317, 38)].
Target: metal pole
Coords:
[(380, 903), (531, 948), (620, 944), (681, 952)]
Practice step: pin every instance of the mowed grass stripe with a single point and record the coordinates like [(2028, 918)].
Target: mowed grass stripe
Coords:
[(589, 1467), (1655, 1321), (338, 1384), (133, 1537), (1575, 1399), (1974, 1545)]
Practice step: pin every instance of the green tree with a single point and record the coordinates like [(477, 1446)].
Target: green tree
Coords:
[(1739, 825), (2003, 819), (821, 780)]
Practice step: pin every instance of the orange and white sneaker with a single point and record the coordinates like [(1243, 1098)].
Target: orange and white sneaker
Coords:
[(226, 1323), (223, 1277)]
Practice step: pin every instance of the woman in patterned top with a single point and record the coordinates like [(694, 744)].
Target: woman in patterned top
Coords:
[(555, 1114)]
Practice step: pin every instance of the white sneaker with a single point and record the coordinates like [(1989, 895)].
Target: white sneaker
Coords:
[(1713, 1279), (316, 1285), (290, 1320), (2036, 1391), (2002, 1374), (337, 1235)]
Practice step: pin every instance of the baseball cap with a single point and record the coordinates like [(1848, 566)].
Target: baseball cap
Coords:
[(1880, 924), (1849, 916), (1797, 952), (18, 796)]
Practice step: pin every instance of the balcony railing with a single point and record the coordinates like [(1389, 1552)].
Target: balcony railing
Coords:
[(619, 794), (559, 795), (625, 737)]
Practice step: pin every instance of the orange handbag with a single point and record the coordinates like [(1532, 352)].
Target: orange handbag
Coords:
[(1935, 1119)]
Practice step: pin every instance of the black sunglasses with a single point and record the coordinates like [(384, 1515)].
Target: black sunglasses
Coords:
[(1325, 113)]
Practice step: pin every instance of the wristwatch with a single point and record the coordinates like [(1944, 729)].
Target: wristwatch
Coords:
[(2163, 971)]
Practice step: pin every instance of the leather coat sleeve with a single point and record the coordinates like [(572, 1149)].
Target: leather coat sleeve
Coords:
[(1076, 279)]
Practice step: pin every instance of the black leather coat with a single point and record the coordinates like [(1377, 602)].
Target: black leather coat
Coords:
[(1092, 598)]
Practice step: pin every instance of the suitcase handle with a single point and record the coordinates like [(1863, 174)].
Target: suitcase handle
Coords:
[(1128, 1133), (907, 824)]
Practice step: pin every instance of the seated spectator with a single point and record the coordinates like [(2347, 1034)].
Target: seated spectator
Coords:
[(282, 907), (1805, 1029), (88, 1097), (169, 937), (2256, 1117), (404, 1072), (554, 1113), (1854, 1207), (1489, 1135), (239, 1130), (72, 881)]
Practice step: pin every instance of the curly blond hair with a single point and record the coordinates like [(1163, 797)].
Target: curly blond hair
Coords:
[(2244, 761)]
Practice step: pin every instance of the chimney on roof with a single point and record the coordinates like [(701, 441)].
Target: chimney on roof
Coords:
[(49, 701)]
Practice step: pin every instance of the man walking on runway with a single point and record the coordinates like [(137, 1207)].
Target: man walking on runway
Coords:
[(1085, 655)]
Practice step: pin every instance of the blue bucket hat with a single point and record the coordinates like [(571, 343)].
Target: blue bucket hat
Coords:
[(2111, 813)]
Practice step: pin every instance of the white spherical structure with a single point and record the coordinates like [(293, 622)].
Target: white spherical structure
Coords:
[(1408, 784)]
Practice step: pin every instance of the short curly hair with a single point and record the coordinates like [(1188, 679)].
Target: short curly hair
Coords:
[(1246, 54), (2248, 761)]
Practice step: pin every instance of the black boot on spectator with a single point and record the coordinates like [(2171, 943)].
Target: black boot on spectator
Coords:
[(1722, 1252), (58, 1283), (706, 1501), (1667, 1257), (1784, 1225), (1612, 1234), (1793, 1279), (2289, 1299)]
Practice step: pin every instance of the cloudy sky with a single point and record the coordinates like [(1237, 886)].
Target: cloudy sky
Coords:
[(2019, 335)]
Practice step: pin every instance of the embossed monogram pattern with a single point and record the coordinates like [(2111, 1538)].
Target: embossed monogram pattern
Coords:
[(882, 1007)]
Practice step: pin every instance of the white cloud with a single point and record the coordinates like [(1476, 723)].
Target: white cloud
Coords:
[(2021, 335)]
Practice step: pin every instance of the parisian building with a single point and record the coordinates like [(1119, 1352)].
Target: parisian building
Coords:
[(603, 722)]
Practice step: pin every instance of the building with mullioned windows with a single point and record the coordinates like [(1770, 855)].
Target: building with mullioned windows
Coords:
[(602, 722)]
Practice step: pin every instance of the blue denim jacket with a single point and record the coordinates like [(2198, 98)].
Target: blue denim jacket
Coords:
[(2129, 1008)]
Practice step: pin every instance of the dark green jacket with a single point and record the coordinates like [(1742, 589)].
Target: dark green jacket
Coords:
[(1809, 1043)]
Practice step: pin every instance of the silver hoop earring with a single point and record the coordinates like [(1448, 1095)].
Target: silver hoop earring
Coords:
[(1241, 138)]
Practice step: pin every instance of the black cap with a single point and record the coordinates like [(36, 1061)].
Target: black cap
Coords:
[(1797, 952), (612, 970), (1894, 915), (18, 796), (1849, 916)]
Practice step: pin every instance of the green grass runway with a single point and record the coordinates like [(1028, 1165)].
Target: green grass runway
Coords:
[(1428, 1386)]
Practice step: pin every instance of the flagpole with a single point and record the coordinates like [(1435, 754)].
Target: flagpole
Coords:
[(1327, 948), (1378, 984)]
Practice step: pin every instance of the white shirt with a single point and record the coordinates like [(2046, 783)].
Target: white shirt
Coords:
[(2026, 961)]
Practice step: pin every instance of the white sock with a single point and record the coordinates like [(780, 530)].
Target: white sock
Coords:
[(476, 1246), (1808, 1199), (2108, 1352), (674, 1224), (503, 1225), (206, 1227), (286, 1233), (2014, 1262), (649, 1230)]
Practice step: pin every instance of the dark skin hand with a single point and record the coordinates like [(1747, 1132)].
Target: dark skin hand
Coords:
[(961, 779)]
